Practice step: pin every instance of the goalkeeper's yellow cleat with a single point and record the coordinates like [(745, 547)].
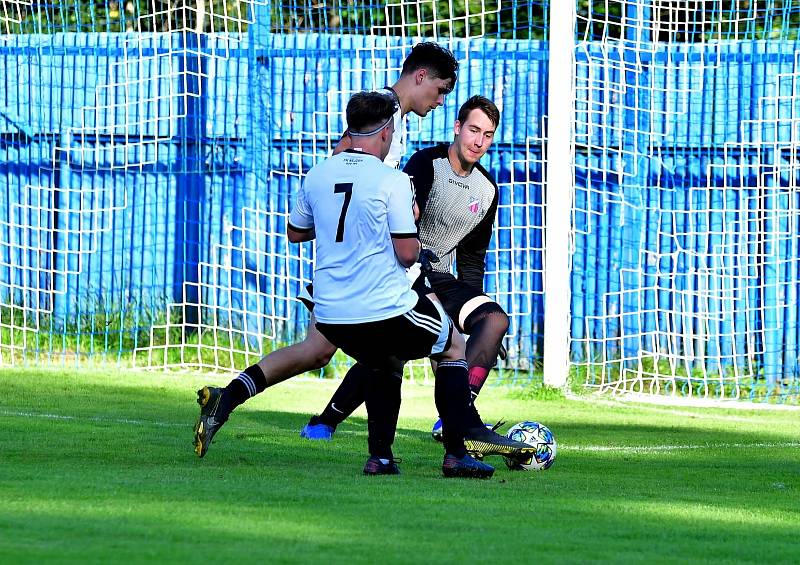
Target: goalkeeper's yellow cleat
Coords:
[(481, 442)]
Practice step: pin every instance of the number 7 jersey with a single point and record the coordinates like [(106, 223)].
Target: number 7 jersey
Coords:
[(356, 205)]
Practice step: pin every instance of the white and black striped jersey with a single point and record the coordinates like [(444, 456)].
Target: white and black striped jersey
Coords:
[(456, 213), (356, 205)]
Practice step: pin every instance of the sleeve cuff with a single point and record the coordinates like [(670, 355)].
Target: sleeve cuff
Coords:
[(299, 229)]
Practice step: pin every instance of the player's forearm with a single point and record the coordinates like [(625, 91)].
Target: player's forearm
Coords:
[(407, 250)]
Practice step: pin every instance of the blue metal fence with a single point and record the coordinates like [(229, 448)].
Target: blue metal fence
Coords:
[(133, 164)]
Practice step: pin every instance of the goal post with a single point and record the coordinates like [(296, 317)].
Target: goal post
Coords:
[(559, 193)]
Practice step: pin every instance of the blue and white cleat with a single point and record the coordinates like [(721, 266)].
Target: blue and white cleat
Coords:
[(316, 430)]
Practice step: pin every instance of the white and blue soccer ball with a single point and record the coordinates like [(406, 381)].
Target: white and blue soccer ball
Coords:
[(540, 437)]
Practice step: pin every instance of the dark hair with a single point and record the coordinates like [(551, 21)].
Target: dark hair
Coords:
[(439, 61), (481, 103), (368, 110)]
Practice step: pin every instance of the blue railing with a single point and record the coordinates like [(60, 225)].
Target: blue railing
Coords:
[(125, 164)]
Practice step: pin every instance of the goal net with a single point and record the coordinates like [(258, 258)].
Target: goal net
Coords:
[(153, 150), (685, 233), (150, 151)]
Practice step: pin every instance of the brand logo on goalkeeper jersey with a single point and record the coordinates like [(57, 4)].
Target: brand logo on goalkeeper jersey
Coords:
[(473, 206)]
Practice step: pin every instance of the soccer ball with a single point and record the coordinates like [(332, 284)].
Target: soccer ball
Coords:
[(540, 437)]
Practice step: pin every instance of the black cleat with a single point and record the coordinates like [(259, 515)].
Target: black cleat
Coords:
[(375, 466), (481, 442), (211, 418), (466, 467), (436, 431)]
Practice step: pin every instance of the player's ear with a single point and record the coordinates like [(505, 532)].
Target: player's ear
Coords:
[(421, 74), (457, 127)]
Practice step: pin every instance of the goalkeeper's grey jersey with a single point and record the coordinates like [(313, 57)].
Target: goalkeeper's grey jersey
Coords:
[(456, 213)]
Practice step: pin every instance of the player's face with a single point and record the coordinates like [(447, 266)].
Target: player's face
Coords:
[(474, 136), (430, 92)]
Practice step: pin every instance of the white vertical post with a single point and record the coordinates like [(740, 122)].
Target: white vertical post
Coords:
[(558, 203)]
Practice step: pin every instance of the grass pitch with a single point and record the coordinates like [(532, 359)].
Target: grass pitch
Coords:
[(99, 467)]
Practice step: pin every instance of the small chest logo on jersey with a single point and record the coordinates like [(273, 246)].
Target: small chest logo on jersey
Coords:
[(458, 184), (473, 205)]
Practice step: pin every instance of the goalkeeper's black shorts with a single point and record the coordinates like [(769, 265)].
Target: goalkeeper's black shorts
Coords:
[(458, 298)]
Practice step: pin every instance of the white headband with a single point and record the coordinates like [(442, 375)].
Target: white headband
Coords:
[(373, 132)]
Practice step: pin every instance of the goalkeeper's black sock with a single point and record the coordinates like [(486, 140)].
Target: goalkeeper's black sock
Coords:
[(249, 383), (352, 392), (472, 419)]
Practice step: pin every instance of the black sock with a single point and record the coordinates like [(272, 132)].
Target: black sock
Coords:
[(249, 383), (452, 397), (383, 408), (472, 417), (352, 392)]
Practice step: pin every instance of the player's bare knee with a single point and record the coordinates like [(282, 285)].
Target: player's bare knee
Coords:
[(317, 349), (320, 356)]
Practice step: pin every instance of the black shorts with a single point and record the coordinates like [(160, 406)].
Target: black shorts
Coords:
[(458, 298), (422, 331)]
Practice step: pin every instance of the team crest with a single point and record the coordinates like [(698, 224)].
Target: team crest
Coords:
[(473, 206)]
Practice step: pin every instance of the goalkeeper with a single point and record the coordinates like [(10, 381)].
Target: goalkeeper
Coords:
[(457, 199)]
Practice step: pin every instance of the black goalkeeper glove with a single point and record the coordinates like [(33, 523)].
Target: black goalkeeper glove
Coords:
[(426, 257)]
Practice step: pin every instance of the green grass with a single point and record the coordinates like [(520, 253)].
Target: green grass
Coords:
[(99, 467)]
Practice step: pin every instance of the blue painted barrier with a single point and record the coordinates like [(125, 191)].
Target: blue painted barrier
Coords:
[(152, 173)]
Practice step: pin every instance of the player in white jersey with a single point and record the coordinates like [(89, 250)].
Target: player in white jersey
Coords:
[(367, 208), (427, 76), (359, 211)]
